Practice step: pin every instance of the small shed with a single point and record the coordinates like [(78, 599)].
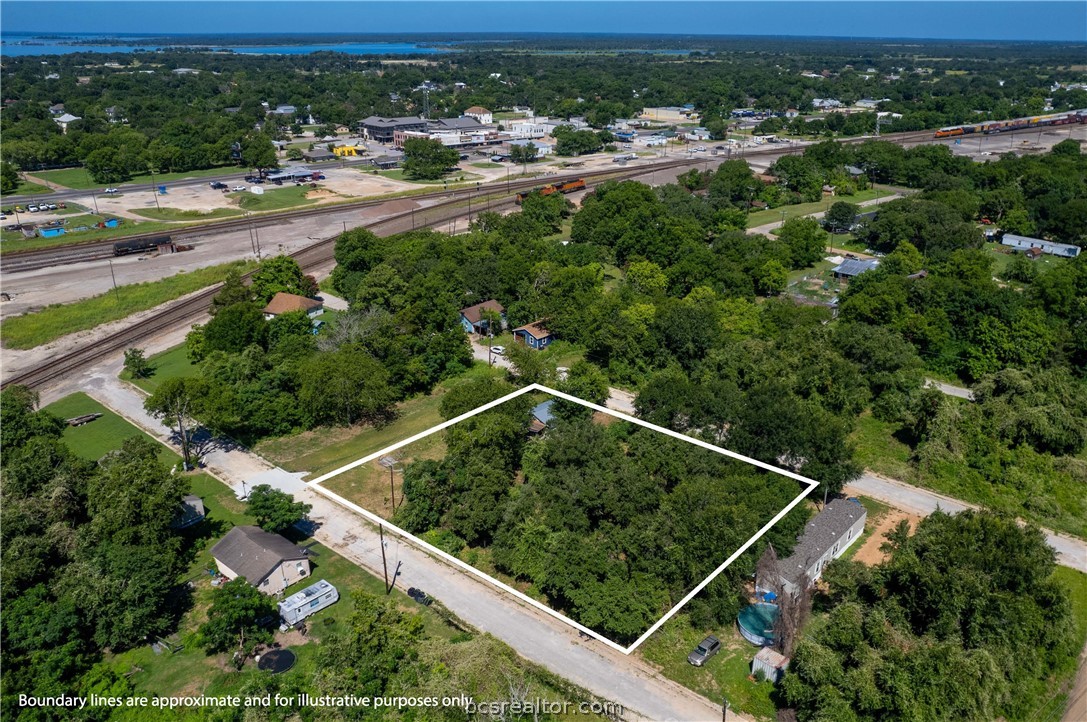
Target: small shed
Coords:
[(190, 512), (385, 162), (310, 600), (770, 663), (541, 418), (535, 335), (287, 302)]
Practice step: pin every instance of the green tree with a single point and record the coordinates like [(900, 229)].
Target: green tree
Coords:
[(344, 387), (806, 240), (840, 217), (427, 159), (772, 278), (258, 152), (234, 617), (20, 419), (280, 274), (275, 510), (176, 401), (235, 328), (234, 291), (136, 364), (9, 177), (523, 154)]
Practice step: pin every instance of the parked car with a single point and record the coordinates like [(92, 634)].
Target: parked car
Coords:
[(52, 206), (238, 189), (708, 647), (498, 350), (110, 191), (218, 185), (32, 208), (420, 596)]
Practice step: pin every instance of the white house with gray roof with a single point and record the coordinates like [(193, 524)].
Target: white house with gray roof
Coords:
[(267, 561), (825, 538)]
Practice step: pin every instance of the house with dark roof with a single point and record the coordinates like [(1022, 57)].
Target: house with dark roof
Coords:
[(287, 302), (534, 334), (472, 319), (463, 124), (317, 154), (825, 538), (267, 561)]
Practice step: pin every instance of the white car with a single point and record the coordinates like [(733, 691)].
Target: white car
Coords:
[(110, 191), (238, 189), (498, 350)]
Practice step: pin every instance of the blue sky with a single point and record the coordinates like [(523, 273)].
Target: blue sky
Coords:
[(988, 20)]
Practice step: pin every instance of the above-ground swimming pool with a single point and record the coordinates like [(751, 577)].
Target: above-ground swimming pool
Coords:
[(756, 623)]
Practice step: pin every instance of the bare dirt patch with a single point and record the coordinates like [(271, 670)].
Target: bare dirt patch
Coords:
[(320, 193), (870, 553)]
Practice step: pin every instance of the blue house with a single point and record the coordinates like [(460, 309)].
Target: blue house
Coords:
[(541, 417), (472, 320), (535, 335)]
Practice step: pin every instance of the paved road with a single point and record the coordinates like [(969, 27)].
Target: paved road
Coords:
[(957, 391), (1071, 552), (539, 638)]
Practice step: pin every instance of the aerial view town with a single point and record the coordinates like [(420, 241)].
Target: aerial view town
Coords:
[(446, 361)]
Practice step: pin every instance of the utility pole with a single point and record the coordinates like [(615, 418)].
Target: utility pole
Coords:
[(116, 293), (384, 563), (154, 190)]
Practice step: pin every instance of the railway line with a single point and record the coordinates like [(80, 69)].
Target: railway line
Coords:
[(309, 258), (32, 260), (446, 210)]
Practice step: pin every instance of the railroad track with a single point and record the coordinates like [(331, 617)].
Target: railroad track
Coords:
[(309, 258), (32, 260)]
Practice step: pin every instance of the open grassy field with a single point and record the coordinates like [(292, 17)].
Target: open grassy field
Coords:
[(457, 176), (52, 322), (166, 365), (94, 440), (177, 214), (79, 179), (725, 675), (274, 199), (773, 215), (28, 188)]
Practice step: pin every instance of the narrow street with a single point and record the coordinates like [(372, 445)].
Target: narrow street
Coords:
[(623, 679)]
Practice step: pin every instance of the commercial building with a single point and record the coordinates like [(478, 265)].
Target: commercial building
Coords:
[(483, 115), (382, 129)]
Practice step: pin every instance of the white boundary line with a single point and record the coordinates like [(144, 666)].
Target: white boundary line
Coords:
[(445, 556)]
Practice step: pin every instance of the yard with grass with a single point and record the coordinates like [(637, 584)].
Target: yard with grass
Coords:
[(52, 322), (95, 439), (177, 214), (725, 676), (486, 164), (773, 215), (79, 179), (456, 176), (29, 188), (274, 199), (170, 364)]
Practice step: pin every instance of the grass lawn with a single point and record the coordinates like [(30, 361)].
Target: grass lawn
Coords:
[(94, 440), (52, 322), (457, 176), (876, 448), (773, 215), (275, 199), (167, 365), (1002, 256), (79, 179), (486, 164), (176, 214), (724, 676), (27, 188)]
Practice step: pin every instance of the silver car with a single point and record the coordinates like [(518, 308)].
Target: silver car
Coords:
[(708, 647)]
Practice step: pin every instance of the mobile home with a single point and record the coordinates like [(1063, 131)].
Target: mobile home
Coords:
[(312, 599)]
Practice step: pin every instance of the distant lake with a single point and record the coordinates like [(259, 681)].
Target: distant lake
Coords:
[(19, 46)]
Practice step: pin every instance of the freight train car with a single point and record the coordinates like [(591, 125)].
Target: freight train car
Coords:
[(1001, 126), (139, 245), (561, 187)]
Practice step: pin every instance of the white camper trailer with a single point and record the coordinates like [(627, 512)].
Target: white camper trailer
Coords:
[(312, 599)]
